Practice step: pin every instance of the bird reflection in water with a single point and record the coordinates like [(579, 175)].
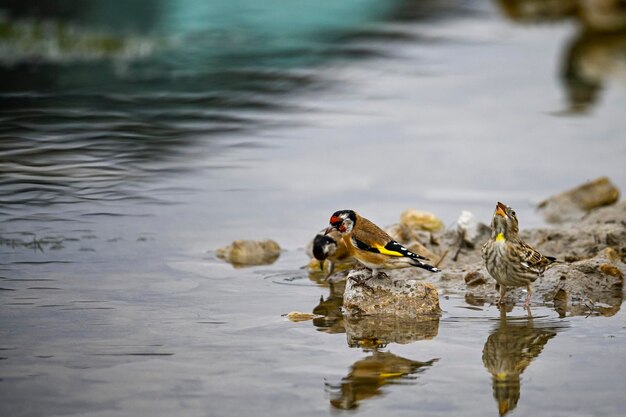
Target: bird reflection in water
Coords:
[(369, 375), (508, 351), (330, 316)]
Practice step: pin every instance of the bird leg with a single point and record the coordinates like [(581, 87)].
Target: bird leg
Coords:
[(331, 268), (502, 292), (377, 275), (527, 302)]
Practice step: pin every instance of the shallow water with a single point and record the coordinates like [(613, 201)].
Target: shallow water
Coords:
[(126, 161)]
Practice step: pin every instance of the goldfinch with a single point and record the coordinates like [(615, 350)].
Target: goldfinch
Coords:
[(510, 261), (371, 246), (330, 247)]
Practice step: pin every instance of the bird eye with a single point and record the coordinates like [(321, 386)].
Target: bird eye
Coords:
[(513, 212)]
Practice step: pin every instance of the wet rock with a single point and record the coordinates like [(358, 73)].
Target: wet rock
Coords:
[(585, 280), (470, 230), (470, 233), (412, 239), (297, 316), (365, 295), (611, 270), (250, 252), (571, 205), (475, 278), (417, 247), (401, 233), (451, 275), (421, 220)]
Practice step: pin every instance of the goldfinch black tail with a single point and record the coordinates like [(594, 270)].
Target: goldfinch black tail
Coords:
[(423, 265)]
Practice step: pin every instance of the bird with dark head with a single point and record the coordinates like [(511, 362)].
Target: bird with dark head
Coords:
[(372, 246), (330, 247), (509, 260)]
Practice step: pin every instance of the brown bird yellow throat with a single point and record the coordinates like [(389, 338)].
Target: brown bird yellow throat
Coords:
[(500, 237)]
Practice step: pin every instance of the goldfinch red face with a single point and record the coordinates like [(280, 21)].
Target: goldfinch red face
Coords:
[(342, 220), (504, 220)]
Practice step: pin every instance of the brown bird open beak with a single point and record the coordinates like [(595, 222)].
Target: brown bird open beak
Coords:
[(501, 209)]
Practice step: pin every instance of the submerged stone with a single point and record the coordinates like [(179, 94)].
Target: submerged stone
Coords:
[(297, 316), (250, 252)]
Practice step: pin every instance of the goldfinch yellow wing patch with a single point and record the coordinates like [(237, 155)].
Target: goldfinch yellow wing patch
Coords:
[(385, 251), (392, 248)]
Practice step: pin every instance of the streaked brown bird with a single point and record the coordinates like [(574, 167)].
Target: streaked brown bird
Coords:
[(509, 260), (372, 246)]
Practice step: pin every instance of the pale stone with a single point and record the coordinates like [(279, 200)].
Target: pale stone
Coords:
[(365, 295), (250, 252), (572, 204), (422, 220), (470, 230)]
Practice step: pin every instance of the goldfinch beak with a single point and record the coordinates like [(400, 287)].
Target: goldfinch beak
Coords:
[(500, 209)]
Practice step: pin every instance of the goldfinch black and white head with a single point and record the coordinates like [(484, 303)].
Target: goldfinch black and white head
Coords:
[(504, 221), (343, 221), (329, 246), (323, 246)]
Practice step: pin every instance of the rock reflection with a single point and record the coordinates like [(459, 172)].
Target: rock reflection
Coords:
[(370, 333), (380, 331), (367, 377), (508, 351), (595, 56)]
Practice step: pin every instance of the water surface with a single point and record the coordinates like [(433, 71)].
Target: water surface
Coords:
[(136, 140)]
